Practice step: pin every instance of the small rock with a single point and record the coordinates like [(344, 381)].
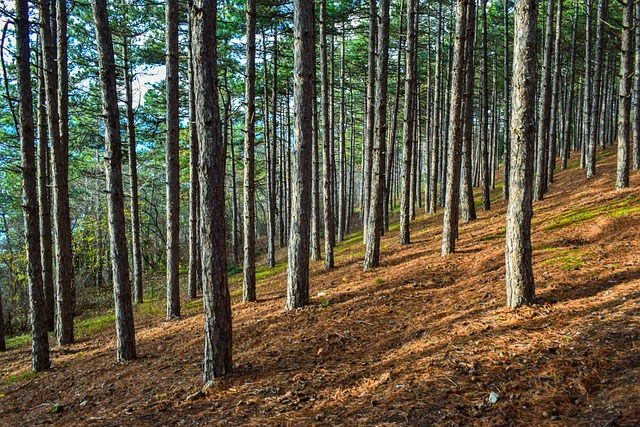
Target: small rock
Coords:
[(493, 397), (545, 414), (56, 408)]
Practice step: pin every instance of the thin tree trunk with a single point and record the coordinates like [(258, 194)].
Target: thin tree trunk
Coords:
[(37, 314), (44, 202), (298, 267), (555, 98), (329, 239), (271, 197), (636, 91), (248, 223), (211, 171), (450, 223), (544, 116), (435, 140), (519, 273), (409, 122), (370, 122), (624, 94), (586, 110), (467, 204), (486, 178), (195, 272), (125, 331), (592, 143), (507, 101), (342, 148), (315, 183), (374, 221), (173, 161), (136, 254), (568, 130)]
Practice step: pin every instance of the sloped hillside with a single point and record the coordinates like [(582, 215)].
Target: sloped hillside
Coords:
[(422, 340)]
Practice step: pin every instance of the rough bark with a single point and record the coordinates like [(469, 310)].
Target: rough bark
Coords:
[(486, 177), (303, 80), (450, 222), (636, 91), (587, 84), (624, 95), (211, 173), (519, 273), (249, 228), (125, 332), (409, 122), (569, 126), (436, 139), (507, 101), (342, 148), (370, 110), (374, 220), (37, 314)]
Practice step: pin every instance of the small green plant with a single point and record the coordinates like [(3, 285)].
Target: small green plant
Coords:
[(571, 263), (325, 303), (379, 280), (234, 269)]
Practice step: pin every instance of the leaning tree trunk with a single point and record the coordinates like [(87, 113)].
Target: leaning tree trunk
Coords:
[(329, 229), (37, 314), (409, 122), (450, 222), (211, 168), (60, 175), (519, 272), (624, 94), (374, 220), (125, 332), (173, 161), (303, 71), (249, 217)]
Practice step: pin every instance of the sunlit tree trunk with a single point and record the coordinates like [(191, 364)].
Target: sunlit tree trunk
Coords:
[(624, 94)]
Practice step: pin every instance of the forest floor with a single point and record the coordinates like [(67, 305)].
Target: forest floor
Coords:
[(422, 340)]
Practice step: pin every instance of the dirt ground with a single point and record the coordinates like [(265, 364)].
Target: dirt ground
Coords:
[(423, 340)]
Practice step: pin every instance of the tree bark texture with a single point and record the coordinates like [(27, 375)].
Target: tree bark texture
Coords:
[(519, 272), (624, 95), (211, 168), (303, 80), (374, 221), (450, 222), (195, 272), (555, 95)]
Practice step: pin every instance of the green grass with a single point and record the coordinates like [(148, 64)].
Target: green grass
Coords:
[(25, 376), (92, 325), (617, 208), (568, 259)]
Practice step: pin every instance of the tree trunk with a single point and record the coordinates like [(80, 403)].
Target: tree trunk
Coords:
[(544, 116), (195, 272), (409, 122), (507, 101), (329, 239), (271, 197), (367, 170), (450, 223), (44, 202), (467, 204), (636, 91), (436, 140), (555, 98), (519, 273), (136, 254), (125, 332), (303, 72), (37, 314), (315, 183), (60, 175), (211, 173), (566, 140), (486, 178), (624, 94), (595, 99), (374, 221), (586, 110), (342, 148), (249, 228), (173, 161)]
